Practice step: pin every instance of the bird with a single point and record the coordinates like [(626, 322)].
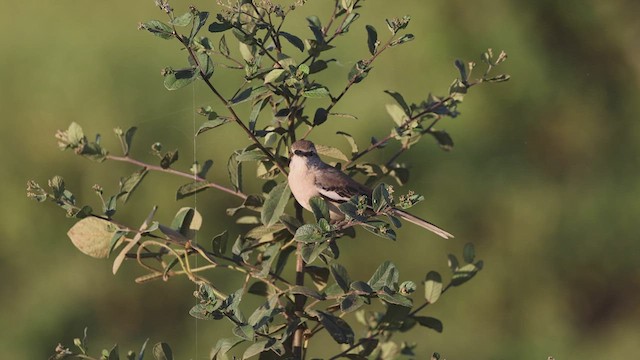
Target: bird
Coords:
[(309, 176)]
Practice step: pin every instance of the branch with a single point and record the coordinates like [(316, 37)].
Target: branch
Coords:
[(298, 336), (235, 116), (405, 125), (224, 101), (177, 173), (352, 80)]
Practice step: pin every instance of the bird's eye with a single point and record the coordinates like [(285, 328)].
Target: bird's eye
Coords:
[(298, 152)]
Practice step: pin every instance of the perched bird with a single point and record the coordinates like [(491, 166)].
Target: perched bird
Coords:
[(309, 176)]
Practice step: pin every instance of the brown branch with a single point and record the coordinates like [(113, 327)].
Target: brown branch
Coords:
[(404, 125), (352, 80), (299, 299), (177, 173)]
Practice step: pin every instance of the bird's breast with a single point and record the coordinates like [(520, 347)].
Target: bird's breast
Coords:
[(302, 182)]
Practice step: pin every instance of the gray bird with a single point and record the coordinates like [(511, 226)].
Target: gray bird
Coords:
[(309, 176)]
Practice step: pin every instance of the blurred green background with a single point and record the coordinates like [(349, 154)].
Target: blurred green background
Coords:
[(544, 177)]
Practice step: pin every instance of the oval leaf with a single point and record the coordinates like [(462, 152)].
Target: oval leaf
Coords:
[(92, 236), (276, 202), (432, 287)]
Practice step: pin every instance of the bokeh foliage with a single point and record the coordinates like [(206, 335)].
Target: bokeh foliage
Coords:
[(544, 184)]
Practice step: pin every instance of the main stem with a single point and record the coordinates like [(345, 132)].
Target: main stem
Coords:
[(298, 336)]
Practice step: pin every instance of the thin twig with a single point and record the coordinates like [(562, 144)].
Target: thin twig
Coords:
[(177, 173), (404, 125)]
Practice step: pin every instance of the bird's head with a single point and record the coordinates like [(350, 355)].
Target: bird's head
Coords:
[(303, 149)]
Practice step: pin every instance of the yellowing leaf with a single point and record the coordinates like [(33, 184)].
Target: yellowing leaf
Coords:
[(92, 236)]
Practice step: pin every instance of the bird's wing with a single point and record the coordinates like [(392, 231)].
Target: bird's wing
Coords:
[(336, 186)]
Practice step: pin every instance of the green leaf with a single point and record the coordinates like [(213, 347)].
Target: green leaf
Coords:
[(432, 287), (92, 236), (341, 276), (202, 172), (205, 64), (222, 45), (443, 138), (176, 79), (395, 314), (234, 167), (468, 253), (212, 124), (316, 27), (262, 231), (397, 113), (311, 252), (219, 243), (316, 92), (331, 152), (361, 287), (319, 275), (186, 220), (403, 39), (268, 257), (348, 21), (380, 198), (275, 76), (319, 207), (386, 275), (275, 203), (320, 116), (372, 39), (464, 76), (351, 210), (158, 28), (358, 72), (259, 288), (191, 188), (291, 223), (351, 141), (219, 352), (395, 299), (162, 351), (431, 323), (130, 183), (219, 27), (182, 20), (244, 332), (309, 233), (318, 66), (257, 348), (400, 100), (200, 20), (282, 259), (465, 273), (264, 314), (255, 111), (294, 40), (247, 95), (307, 292), (339, 330), (169, 158), (351, 303), (453, 262), (128, 138)]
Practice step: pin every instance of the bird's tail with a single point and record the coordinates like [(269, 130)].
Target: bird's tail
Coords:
[(422, 223)]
